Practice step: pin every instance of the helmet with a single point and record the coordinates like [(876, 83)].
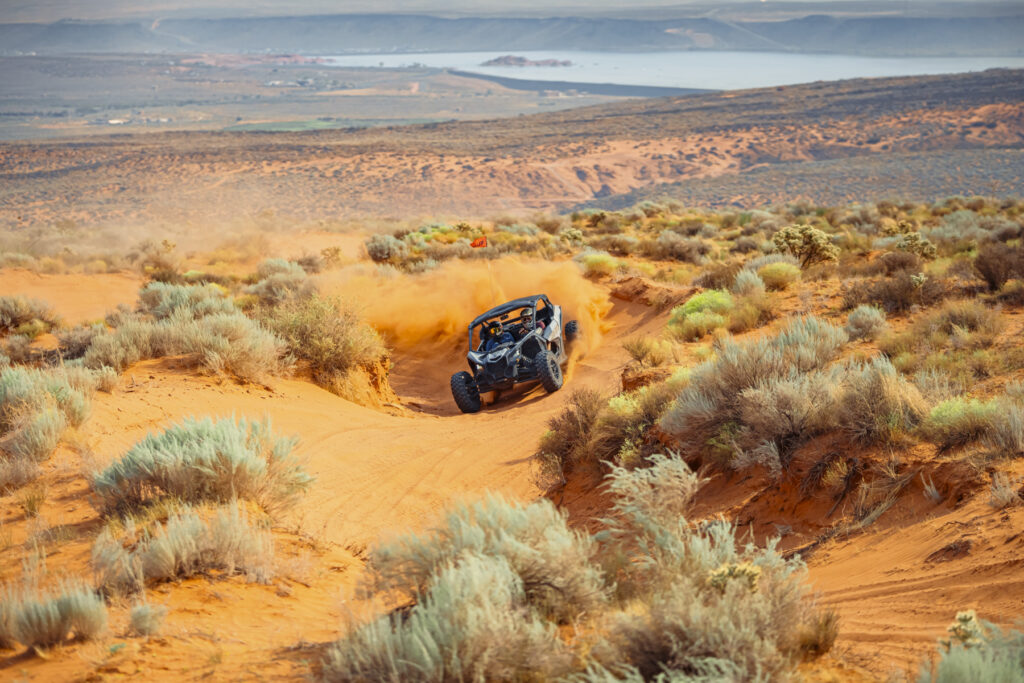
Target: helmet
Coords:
[(527, 315), (494, 328)]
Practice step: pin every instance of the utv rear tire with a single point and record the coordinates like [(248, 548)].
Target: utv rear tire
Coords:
[(548, 371), (572, 331), (465, 392)]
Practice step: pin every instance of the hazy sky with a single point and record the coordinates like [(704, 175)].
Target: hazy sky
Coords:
[(52, 10)]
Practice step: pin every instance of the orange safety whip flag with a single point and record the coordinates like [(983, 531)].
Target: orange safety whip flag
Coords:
[(479, 242)]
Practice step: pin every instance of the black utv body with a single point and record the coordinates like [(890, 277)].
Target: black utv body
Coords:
[(531, 347)]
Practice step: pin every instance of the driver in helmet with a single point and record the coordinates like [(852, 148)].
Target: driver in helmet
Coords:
[(496, 336)]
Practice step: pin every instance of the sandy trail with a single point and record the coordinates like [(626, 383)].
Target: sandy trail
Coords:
[(375, 473)]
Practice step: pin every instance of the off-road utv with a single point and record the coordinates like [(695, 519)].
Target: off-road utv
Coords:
[(516, 342)]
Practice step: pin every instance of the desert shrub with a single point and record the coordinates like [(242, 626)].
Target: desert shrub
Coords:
[(778, 276), (525, 229), (1012, 293), (781, 413), (18, 349), (744, 245), (670, 245), (878, 404), (38, 618), (896, 294), (717, 276), (552, 561), (899, 261), (752, 310), (806, 243), (713, 300), (598, 264), (619, 245), (914, 243), (280, 281), (955, 326), (1004, 491), (564, 443), (701, 604), (711, 401), (74, 342), (386, 249), (700, 314), (145, 619), (865, 322), (23, 315), (976, 651), (186, 545), (650, 352), (472, 625), (331, 337), (996, 264), (748, 283), (959, 227), (36, 407), (203, 460), (222, 342), (162, 300), (620, 428), (958, 421), (697, 325), (1007, 433), (936, 385), (755, 264)]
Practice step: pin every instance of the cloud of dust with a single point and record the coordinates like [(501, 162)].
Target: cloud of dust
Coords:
[(435, 308)]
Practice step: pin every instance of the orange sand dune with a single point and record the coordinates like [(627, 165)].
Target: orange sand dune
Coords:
[(76, 298)]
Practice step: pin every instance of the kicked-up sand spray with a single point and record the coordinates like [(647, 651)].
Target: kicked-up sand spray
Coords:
[(433, 309)]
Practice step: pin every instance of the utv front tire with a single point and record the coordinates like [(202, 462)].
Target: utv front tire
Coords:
[(465, 392), (548, 371), (572, 331)]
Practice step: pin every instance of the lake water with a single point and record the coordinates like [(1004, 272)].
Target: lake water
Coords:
[(698, 69)]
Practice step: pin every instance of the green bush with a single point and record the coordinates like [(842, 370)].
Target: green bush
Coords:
[(779, 276), (713, 300), (203, 460), (700, 314), (187, 545), (959, 421), (333, 339), (697, 326)]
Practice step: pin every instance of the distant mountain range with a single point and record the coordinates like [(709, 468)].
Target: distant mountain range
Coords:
[(336, 34)]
